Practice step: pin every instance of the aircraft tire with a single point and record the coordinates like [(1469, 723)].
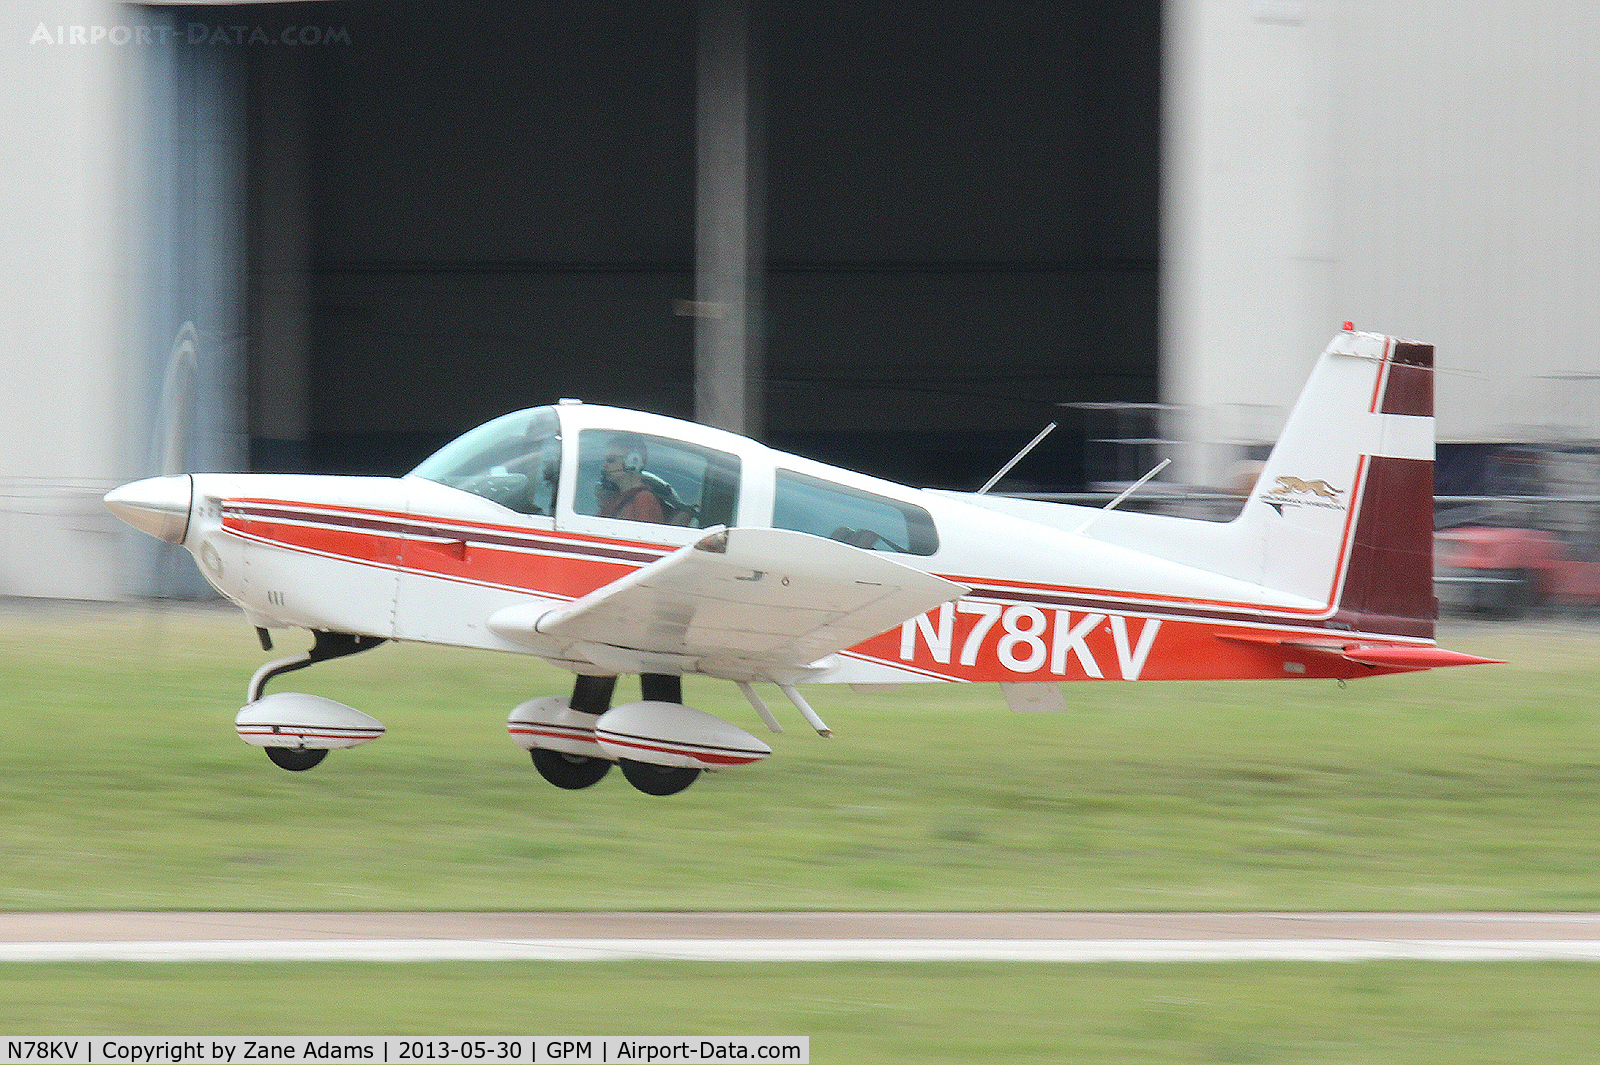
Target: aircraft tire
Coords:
[(655, 779), (296, 760), (569, 771)]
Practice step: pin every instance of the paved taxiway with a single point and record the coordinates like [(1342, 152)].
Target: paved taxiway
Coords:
[(1044, 937)]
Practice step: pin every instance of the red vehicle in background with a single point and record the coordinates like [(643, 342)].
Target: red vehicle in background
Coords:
[(1534, 542), (1507, 572)]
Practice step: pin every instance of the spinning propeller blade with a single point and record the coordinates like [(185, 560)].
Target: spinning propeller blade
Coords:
[(171, 445)]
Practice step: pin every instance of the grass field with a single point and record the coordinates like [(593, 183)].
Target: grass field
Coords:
[(1398, 1013), (126, 788)]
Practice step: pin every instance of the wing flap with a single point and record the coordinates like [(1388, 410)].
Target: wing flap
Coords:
[(754, 601)]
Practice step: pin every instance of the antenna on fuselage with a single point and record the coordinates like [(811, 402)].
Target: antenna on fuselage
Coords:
[(1018, 457), (1124, 494)]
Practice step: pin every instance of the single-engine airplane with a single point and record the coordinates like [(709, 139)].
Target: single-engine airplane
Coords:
[(613, 542)]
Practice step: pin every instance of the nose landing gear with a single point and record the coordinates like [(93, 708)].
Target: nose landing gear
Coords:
[(298, 730)]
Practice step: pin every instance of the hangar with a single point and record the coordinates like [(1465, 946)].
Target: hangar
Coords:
[(500, 207), (891, 238)]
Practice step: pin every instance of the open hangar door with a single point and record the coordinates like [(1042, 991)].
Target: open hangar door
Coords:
[(457, 212), (466, 210)]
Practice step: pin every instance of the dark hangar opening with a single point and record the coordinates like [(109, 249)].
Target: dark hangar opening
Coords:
[(462, 212)]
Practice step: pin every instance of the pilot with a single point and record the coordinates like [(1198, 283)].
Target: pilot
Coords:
[(625, 490)]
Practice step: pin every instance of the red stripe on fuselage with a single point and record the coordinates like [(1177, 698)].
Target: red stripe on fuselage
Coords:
[(1065, 651), (562, 565), (568, 565), (1179, 607)]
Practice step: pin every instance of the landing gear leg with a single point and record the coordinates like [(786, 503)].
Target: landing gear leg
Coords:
[(592, 695), (648, 777), (325, 646)]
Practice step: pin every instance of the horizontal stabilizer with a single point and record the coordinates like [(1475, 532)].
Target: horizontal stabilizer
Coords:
[(1387, 656), (1415, 657)]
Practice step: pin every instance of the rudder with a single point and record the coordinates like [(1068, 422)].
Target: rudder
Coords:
[(1343, 510)]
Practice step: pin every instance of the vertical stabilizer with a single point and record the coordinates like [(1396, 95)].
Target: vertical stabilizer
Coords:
[(1343, 510)]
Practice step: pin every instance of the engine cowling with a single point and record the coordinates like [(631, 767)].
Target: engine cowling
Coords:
[(306, 722), (672, 734)]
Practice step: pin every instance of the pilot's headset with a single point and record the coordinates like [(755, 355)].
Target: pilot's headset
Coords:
[(633, 458)]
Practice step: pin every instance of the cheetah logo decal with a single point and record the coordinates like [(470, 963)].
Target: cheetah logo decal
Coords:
[(1292, 491)]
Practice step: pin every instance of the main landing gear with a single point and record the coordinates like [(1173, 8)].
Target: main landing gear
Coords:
[(559, 733), (296, 759), (570, 771), (655, 779), (661, 745)]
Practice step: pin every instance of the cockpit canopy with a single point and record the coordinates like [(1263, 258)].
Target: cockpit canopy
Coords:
[(628, 475), (514, 460)]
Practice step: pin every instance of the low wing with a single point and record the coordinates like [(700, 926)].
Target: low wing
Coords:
[(757, 604)]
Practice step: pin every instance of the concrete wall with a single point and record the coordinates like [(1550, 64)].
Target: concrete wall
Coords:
[(121, 220), (62, 287), (1471, 216), (1425, 168)]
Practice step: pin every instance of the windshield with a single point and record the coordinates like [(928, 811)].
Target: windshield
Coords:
[(514, 460)]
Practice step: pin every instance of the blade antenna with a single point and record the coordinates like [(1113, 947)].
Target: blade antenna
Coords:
[(1124, 494), (1018, 457)]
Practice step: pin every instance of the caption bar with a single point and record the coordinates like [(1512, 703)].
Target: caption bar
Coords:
[(408, 1050)]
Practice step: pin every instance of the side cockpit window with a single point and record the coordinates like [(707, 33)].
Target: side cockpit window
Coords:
[(655, 479), (850, 515), (514, 461)]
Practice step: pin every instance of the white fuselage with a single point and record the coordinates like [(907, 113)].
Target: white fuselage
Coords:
[(412, 559)]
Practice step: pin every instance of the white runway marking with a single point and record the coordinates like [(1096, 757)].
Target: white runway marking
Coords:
[(795, 937), (798, 950)]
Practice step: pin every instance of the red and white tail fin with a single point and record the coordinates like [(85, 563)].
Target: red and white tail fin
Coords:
[(1343, 510)]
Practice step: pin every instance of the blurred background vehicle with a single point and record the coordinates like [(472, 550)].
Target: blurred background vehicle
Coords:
[(1530, 542)]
